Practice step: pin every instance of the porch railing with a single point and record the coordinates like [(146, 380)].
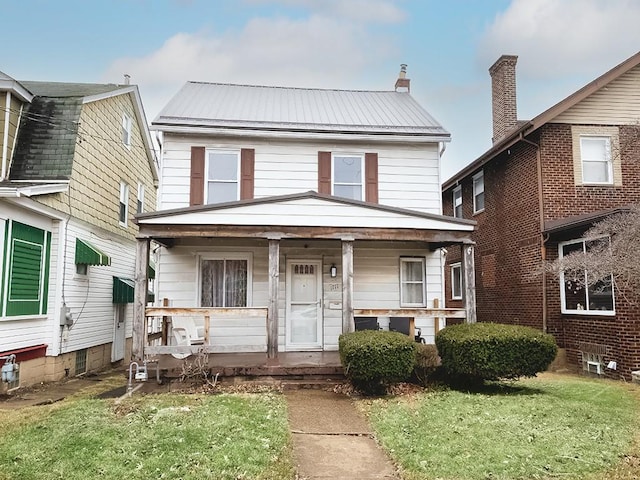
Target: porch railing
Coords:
[(168, 313), (158, 343)]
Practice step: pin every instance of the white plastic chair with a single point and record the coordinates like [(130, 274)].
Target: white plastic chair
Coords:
[(186, 332)]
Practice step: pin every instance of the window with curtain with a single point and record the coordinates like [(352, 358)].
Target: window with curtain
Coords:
[(412, 282), (224, 282)]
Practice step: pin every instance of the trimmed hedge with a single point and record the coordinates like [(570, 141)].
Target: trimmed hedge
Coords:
[(492, 351), (373, 359)]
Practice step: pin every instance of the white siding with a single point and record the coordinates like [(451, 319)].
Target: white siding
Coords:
[(91, 298), (308, 212), (618, 103), (376, 285), (408, 176)]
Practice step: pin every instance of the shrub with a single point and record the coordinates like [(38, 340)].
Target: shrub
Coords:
[(427, 361), (373, 359), (492, 351)]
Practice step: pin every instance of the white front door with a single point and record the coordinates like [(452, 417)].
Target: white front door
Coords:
[(119, 332), (304, 305)]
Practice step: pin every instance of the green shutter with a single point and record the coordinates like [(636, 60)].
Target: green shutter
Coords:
[(28, 270)]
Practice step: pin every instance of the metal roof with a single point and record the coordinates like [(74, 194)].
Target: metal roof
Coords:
[(302, 109)]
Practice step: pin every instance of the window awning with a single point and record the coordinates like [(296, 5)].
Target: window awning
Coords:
[(87, 254), (123, 290)]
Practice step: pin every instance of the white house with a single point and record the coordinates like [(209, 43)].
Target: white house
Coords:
[(283, 213), (77, 164)]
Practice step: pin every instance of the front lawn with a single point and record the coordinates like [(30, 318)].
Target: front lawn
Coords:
[(169, 436), (541, 428)]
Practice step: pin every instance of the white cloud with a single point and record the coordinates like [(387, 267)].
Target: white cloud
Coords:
[(382, 11), (318, 51), (559, 37)]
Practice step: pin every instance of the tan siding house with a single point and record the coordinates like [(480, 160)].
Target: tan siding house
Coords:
[(80, 166)]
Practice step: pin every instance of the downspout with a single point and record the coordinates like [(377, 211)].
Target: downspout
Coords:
[(15, 138), (543, 240), (5, 135)]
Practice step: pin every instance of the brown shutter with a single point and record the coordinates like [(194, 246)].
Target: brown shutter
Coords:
[(324, 172), (371, 177), (247, 162), (196, 191)]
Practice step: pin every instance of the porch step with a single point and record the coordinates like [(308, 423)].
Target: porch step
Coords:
[(317, 382)]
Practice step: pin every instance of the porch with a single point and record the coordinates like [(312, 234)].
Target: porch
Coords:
[(273, 293), (160, 328)]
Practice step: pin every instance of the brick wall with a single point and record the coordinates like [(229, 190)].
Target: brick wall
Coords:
[(508, 251), (618, 336)]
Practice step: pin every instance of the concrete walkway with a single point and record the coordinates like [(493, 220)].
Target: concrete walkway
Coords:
[(332, 440)]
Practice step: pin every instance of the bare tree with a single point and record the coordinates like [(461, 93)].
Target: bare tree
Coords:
[(611, 259)]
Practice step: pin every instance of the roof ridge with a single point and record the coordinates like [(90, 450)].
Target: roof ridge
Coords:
[(281, 87)]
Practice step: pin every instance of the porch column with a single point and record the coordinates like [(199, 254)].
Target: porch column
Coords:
[(140, 300), (347, 286), (274, 285), (468, 268)]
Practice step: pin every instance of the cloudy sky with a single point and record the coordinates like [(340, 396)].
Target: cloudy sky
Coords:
[(345, 44)]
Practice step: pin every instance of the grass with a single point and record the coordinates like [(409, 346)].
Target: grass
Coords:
[(169, 436), (542, 428)]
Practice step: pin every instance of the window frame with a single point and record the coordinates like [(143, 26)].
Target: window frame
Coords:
[(224, 256), (403, 282), (140, 198), (456, 266), (563, 302), (476, 191), (123, 204), (207, 180), (127, 123), (361, 158), (457, 201), (608, 158)]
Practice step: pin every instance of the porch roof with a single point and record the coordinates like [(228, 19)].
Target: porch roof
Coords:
[(304, 215)]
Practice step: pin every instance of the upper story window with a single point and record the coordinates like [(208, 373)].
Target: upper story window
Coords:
[(457, 201), (412, 282), (221, 176), (595, 155), (124, 204), (126, 129), (348, 176), (478, 192), (456, 281), (140, 204), (576, 296)]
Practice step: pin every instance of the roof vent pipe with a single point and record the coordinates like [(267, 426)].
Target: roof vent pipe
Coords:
[(127, 79)]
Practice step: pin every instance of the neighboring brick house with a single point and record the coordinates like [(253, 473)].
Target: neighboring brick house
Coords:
[(77, 164), (533, 195)]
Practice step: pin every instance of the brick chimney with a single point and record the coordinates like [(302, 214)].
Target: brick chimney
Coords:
[(403, 83), (503, 96)]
